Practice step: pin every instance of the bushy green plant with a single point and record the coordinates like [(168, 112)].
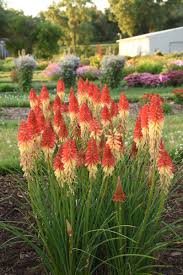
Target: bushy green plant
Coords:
[(68, 67), (88, 72), (24, 66), (111, 70), (149, 67), (95, 61), (7, 64), (42, 64), (178, 96), (167, 108)]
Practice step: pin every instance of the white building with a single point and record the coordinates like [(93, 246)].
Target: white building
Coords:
[(166, 41)]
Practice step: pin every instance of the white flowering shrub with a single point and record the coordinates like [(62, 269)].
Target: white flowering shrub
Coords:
[(111, 69), (24, 67), (69, 65)]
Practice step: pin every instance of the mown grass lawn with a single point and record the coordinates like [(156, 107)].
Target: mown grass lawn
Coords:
[(37, 76), (9, 154), (17, 99)]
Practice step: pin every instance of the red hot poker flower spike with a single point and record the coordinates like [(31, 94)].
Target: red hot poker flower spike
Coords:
[(48, 137), (85, 114), (119, 195), (34, 100), (123, 103), (105, 96)]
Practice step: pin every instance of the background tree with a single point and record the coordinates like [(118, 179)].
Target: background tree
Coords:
[(20, 31), (58, 17), (76, 12), (46, 39), (142, 16), (3, 20)]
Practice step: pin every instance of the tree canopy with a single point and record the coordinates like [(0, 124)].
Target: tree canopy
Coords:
[(143, 16)]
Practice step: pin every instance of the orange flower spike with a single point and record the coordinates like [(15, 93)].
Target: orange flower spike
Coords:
[(108, 161), (166, 169), (56, 104), (156, 122), (73, 106), (60, 89), (138, 132), (105, 116), (105, 96), (27, 148), (56, 121), (114, 110), (123, 106), (45, 101), (144, 117), (96, 101), (34, 100), (58, 166), (92, 157), (48, 140), (96, 96), (63, 132), (69, 159), (155, 110), (85, 116), (95, 129), (33, 124), (44, 96), (64, 108), (40, 118), (90, 90), (115, 142), (82, 91), (119, 196), (25, 136)]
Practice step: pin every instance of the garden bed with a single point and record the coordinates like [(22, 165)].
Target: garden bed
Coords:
[(19, 259)]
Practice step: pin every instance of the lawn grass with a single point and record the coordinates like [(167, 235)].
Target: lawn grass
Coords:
[(37, 76), (135, 94), (15, 99), (9, 155)]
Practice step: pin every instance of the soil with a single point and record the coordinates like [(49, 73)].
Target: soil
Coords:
[(12, 113), (19, 259)]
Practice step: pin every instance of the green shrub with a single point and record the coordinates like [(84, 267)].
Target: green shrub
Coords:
[(25, 65), (111, 70), (178, 96), (95, 61), (85, 61), (42, 65), (128, 70), (7, 64), (167, 108), (153, 68), (68, 66)]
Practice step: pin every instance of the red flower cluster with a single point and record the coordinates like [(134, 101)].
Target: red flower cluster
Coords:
[(119, 195), (88, 132)]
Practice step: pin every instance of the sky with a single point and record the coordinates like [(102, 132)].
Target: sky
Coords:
[(33, 7)]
